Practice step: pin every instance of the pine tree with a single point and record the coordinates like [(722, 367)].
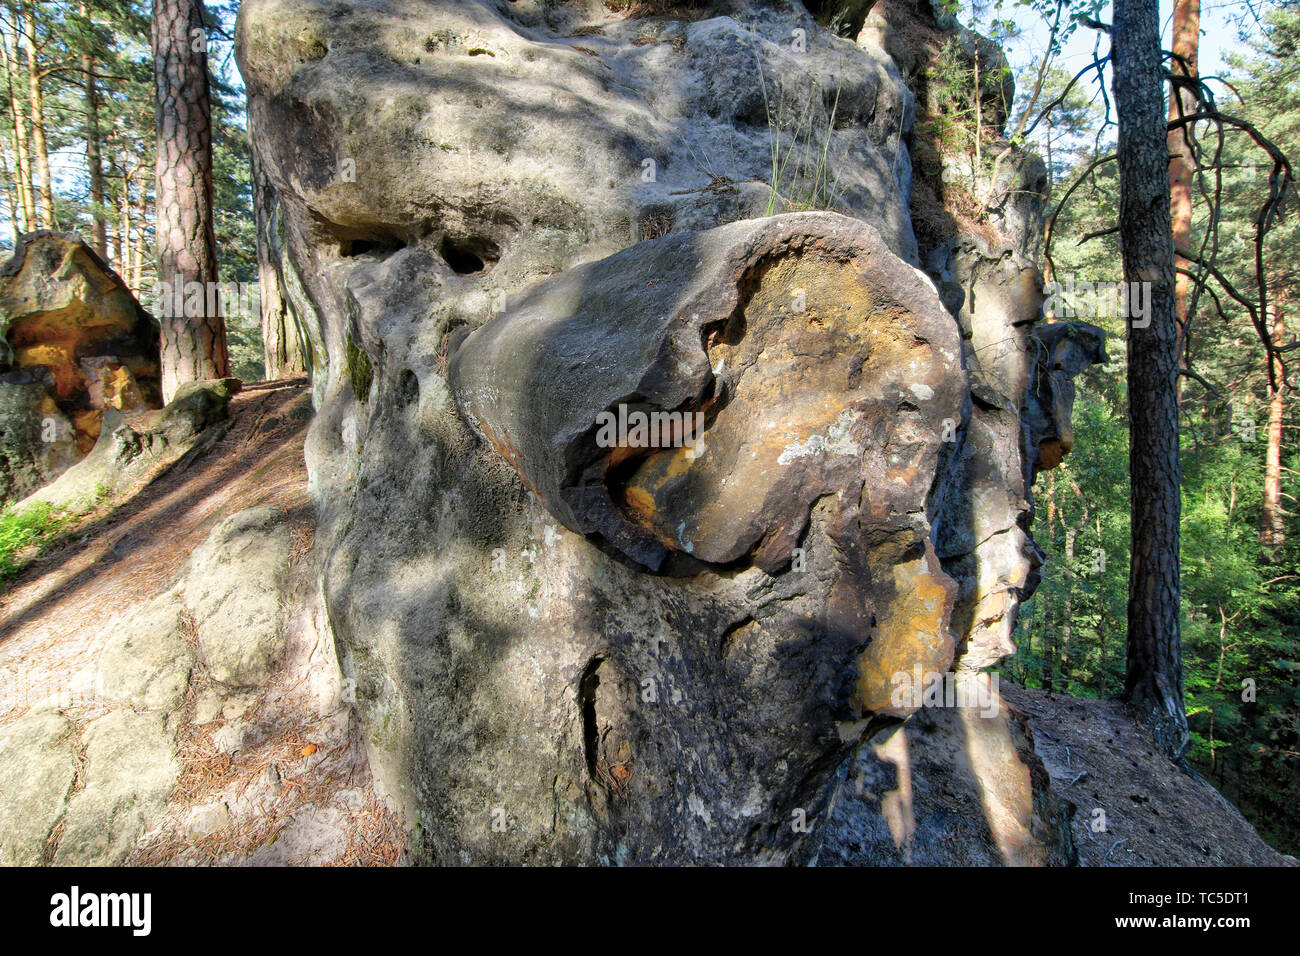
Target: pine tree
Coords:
[(1153, 683), (193, 346)]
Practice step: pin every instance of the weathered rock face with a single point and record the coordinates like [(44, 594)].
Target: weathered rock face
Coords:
[(73, 343), (28, 417), (953, 786), (570, 648), (791, 345), (984, 269), (239, 628)]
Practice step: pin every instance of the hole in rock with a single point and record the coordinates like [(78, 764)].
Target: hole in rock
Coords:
[(587, 700), (408, 388), (733, 632), (469, 256), (377, 246)]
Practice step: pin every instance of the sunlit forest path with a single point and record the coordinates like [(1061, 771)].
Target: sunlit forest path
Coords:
[(294, 787)]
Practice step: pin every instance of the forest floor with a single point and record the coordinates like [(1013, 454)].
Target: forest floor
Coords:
[(1133, 807), (298, 789)]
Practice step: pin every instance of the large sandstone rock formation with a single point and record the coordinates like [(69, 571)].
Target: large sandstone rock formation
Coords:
[(499, 221), (74, 343)]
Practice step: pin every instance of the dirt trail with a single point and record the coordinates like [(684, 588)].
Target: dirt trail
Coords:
[(304, 773), (1133, 807), (53, 613)]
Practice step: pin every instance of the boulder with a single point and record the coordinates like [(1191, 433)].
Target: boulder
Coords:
[(232, 589), (147, 662), (64, 310), (135, 447), (130, 772), (774, 353), (38, 766), (37, 441)]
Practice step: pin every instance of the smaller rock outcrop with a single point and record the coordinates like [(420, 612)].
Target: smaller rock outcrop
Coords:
[(84, 791), (233, 589), (137, 446), (74, 343), (1064, 350)]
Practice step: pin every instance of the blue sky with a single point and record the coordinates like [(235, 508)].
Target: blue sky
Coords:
[(1218, 36)]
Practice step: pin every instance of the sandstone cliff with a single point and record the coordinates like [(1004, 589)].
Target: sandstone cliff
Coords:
[(500, 221)]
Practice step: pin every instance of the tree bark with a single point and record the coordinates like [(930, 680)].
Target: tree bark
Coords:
[(36, 102), (94, 153), (193, 346), (282, 350), (124, 232), (141, 231), (1153, 685), (1182, 167), (22, 156), (11, 194), (1272, 527)]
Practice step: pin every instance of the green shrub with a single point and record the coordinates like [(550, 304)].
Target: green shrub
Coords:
[(25, 532)]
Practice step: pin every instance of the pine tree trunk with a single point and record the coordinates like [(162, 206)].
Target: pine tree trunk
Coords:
[(1153, 683), (281, 342), (36, 102), (124, 234), (11, 195), (1272, 529), (94, 153), (22, 156), (193, 346), (141, 231), (1182, 167)]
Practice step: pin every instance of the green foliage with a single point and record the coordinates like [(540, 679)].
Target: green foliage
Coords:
[(25, 532), (800, 127), (951, 120), (1241, 603)]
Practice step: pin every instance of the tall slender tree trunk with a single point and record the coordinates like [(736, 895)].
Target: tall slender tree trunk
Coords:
[(1182, 166), (11, 194), (1153, 684), (94, 152), (36, 103), (22, 156), (193, 346), (1071, 537), (141, 234), (282, 350), (1272, 528), (124, 232)]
